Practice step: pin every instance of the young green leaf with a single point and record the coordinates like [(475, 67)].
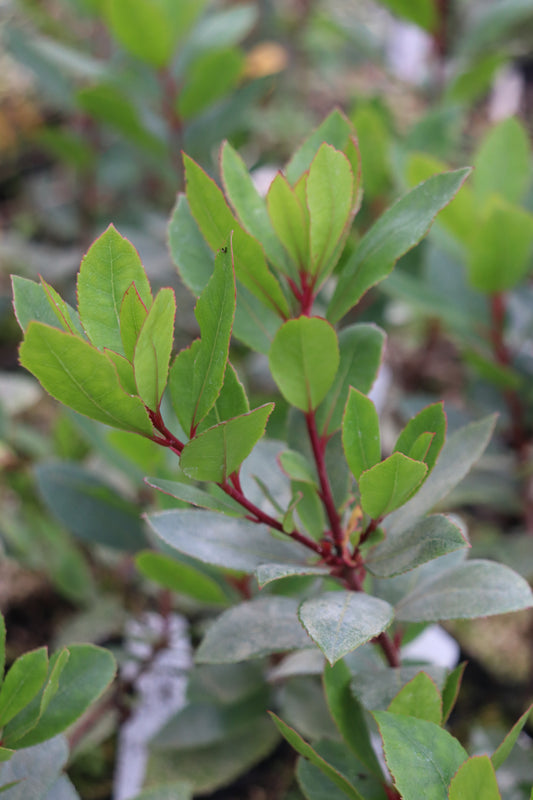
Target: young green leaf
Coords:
[(389, 484), (107, 271), (81, 377), (297, 467), (504, 750), (474, 779), (179, 577), (132, 315), (341, 621), (336, 131), (399, 229), (419, 698), (450, 690), (153, 349), (299, 347), (124, 370), (360, 433), (431, 419), (66, 316), (219, 451), (22, 682), (289, 221), (503, 162)]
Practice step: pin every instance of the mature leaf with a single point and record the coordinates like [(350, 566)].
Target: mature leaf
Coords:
[(224, 542), (450, 690), (459, 454), (316, 786), (374, 140), (421, 756), (349, 715), (475, 588), (298, 348), (389, 484), (419, 698), (210, 210), (177, 790), (253, 629), (107, 271), (197, 374), (219, 451), (290, 221), (297, 467), (66, 316), (88, 507), (305, 750), (34, 771), (188, 248), (428, 539), (334, 130), (231, 402), (267, 573), (360, 433), (250, 207), (180, 578), (81, 377), (421, 12), (503, 162), (131, 319), (209, 77), (361, 350), (197, 497), (341, 621), (124, 370), (255, 325), (87, 673), (22, 682), (31, 303), (475, 778), (154, 346), (504, 750), (399, 229), (431, 419)]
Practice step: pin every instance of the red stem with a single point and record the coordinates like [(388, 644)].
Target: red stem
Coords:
[(318, 446)]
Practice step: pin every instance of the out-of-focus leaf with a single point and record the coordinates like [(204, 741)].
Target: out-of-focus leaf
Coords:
[(209, 77)]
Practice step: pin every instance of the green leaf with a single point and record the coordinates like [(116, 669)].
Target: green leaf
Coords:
[(132, 315), (458, 455), (81, 377), (231, 402), (250, 207), (88, 507), (209, 77), (499, 256), (431, 419), (224, 542), (252, 630), (35, 771), (290, 221), (197, 497), (298, 347), (428, 539), (67, 317), (389, 484), (316, 786), (360, 433), (419, 698), (334, 130), (504, 750), (210, 210), (421, 12), (297, 467), (330, 189), (219, 451), (197, 374), (180, 578), (361, 351), (87, 673), (349, 715), (153, 349), (503, 162), (111, 265), (421, 756), (475, 778), (255, 325), (177, 790), (22, 682), (341, 621), (450, 690), (374, 140), (267, 573), (399, 229), (305, 750), (2, 647), (31, 303), (124, 371), (188, 248), (475, 588)]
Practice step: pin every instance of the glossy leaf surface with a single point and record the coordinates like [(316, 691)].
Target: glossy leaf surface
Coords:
[(360, 433), (154, 346), (389, 484)]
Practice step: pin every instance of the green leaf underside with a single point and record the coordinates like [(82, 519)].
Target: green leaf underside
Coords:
[(153, 349), (197, 497), (81, 377), (224, 542), (31, 303), (339, 622), (474, 779), (219, 451), (428, 539), (399, 229), (267, 573), (360, 433), (252, 630), (307, 752), (422, 757), (67, 317), (22, 682), (431, 419), (210, 210), (475, 588), (107, 271), (189, 250), (180, 578), (419, 698), (504, 750), (304, 358), (389, 484)]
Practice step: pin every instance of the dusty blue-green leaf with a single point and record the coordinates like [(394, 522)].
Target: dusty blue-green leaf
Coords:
[(154, 346), (297, 467), (107, 271), (188, 248), (475, 778), (431, 419), (315, 785), (341, 621), (35, 770), (476, 588), (22, 682), (360, 433), (419, 698), (179, 577), (252, 630), (177, 790), (389, 484), (30, 303), (361, 351), (197, 497), (224, 541), (428, 539), (422, 757), (81, 377), (399, 229), (504, 750), (255, 325), (503, 162), (267, 573)]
